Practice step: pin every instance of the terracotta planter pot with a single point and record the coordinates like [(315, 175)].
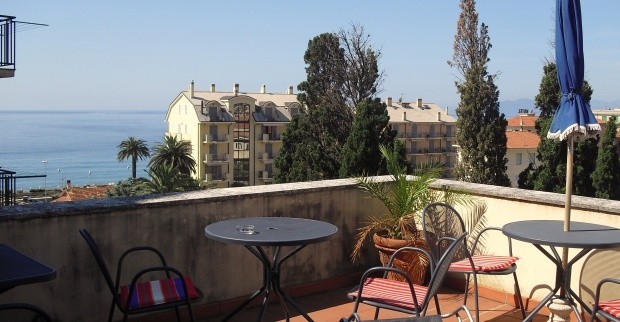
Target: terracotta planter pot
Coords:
[(414, 264)]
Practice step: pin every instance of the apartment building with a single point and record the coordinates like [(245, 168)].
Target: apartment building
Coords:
[(427, 131), (235, 135), (521, 145)]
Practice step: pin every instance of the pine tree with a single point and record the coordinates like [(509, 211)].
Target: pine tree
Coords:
[(482, 138), (360, 154), (606, 177)]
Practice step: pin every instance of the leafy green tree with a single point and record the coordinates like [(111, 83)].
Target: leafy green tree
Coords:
[(167, 178), (336, 76), (174, 153), (135, 149), (130, 187), (361, 64), (360, 154), (606, 177), (483, 143), (550, 173)]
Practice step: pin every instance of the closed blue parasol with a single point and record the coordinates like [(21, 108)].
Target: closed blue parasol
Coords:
[(573, 116)]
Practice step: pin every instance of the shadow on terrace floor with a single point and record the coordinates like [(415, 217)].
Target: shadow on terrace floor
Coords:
[(333, 305)]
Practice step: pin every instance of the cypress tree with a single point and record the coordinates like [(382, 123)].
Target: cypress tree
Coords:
[(482, 138), (360, 154)]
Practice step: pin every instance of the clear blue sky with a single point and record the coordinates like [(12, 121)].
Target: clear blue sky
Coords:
[(121, 54)]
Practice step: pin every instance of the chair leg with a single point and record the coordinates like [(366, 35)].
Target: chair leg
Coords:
[(111, 314), (476, 301), (518, 291), (176, 311), (467, 276), (594, 309), (437, 304), (376, 313), (191, 312)]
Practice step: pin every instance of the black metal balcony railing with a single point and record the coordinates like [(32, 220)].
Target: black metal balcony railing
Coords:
[(7, 46)]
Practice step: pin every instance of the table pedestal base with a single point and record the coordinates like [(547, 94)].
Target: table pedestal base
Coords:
[(560, 310), (271, 282)]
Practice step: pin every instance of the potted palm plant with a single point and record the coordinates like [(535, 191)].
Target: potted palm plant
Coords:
[(404, 198)]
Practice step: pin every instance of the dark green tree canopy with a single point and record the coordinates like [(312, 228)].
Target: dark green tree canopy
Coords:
[(606, 177), (361, 154), (341, 68), (482, 138), (550, 173)]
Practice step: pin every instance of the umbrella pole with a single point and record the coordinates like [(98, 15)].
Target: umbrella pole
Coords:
[(569, 192)]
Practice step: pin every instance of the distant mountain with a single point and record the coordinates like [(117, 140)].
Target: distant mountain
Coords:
[(604, 105), (511, 108)]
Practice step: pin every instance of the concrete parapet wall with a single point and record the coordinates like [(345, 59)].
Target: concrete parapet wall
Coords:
[(174, 223)]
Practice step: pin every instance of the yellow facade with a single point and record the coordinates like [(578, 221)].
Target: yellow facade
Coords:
[(235, 136)]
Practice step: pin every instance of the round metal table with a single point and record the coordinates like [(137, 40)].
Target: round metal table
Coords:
[(254, 233), (584, 236)]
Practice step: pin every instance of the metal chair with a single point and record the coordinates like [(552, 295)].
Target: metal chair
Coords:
[(173, 291), (403, 296), (608, 309), (440, 221), (22, 312), (430, 318)]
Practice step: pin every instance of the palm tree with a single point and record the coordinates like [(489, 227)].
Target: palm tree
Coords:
[(135, 149), (165, 178), (175, 153)]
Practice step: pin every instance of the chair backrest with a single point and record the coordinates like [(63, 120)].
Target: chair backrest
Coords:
[(441, 269), (440, 221), (22, 312), (100, 262)]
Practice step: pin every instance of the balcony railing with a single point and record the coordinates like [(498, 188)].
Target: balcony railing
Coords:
[(220, 138), (175, 224), (7, 46), (213, 159)]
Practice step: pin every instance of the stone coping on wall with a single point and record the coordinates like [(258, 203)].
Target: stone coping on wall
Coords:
[(94, 206)]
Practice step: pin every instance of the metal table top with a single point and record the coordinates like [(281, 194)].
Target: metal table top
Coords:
[(551, 233), (18, 269), (270, 231)]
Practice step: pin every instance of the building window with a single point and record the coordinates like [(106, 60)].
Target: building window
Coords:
[(519, 158), (532, 158)]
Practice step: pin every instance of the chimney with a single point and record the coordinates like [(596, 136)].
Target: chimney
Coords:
[(447, 111), (290, 90), (263, 89), (236, 89), (404, 116), (212, 87), (419, 102), (389, 102), (191, 89), (438, 116)]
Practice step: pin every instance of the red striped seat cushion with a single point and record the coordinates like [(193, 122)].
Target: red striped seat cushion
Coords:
[(484, 263), (611, 307), (391, 292), (157, 292)]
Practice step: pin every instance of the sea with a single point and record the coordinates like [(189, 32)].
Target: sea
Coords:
[(79, 146)]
